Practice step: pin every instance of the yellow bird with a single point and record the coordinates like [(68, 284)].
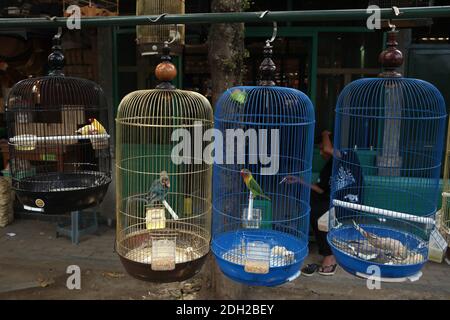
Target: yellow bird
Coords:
[(99, 129)]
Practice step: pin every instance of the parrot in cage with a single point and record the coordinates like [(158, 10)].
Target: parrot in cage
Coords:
[(159, 188), (99, 129), (252, 185), (393, 246), (239, 96)]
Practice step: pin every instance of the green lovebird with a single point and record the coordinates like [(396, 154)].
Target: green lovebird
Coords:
[(252, 185), (239, 96)]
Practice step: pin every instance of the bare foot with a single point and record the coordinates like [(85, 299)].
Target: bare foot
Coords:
[(328, 267), (328, 261)]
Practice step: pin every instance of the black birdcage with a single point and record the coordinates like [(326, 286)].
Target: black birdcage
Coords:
[(58, 140)]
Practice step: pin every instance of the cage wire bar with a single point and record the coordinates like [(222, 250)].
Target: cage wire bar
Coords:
[(151, 37), (386, 168), (232, 17), (262, 239), (163, 197), (58, 140), (445, 209)]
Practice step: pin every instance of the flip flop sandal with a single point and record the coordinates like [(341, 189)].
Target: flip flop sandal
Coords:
[(331, 270), (310, 269)]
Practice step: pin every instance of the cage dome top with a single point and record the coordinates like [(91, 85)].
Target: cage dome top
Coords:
[(55, 90), (265, 103), (165, 104), (369, 96)]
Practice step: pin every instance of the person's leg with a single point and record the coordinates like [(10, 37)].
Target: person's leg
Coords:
[(320, 205)]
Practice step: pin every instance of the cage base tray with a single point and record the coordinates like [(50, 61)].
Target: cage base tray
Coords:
[(277, 275), (358, 266), (141, 269), (71, 195), (182, 271)]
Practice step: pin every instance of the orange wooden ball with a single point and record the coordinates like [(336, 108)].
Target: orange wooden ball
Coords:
[(166, 71)]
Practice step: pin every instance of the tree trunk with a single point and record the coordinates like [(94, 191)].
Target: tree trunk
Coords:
[(226, 55), (226, 49)]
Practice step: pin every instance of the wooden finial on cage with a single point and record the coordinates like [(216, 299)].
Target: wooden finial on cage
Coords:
[(391, 58), (56, 58), (165, 71), (267, 67)]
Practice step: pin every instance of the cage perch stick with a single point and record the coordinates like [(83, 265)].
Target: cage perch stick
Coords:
[(383, 212), (250, 206), (171, 211), (58, 138)]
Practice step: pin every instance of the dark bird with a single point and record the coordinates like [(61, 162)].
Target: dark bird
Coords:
[(159, 188)]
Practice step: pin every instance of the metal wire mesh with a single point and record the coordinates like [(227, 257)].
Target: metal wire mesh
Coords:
[(157, 34), (146, 122), (400, 3), (386, 168), (275, 234), (445, 210), (48, 154)]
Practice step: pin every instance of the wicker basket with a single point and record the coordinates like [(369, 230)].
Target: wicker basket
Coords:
[(6, 202)]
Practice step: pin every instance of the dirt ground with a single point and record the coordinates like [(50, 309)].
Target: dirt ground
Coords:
[(33, 265)]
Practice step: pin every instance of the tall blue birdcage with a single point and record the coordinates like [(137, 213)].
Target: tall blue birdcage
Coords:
[(261, 218), (387, 157)]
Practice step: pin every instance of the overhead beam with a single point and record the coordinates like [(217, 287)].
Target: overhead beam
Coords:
[(231, 17)]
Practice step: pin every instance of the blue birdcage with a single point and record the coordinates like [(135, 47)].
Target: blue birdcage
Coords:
[(388, 143), (260, 231)]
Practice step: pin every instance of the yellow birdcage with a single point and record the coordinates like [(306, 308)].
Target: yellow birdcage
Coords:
[(150, 38), (444, 214), (163, 195)]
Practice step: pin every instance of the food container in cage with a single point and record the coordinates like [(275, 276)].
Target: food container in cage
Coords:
[(24, 142), (257, 257), (437, 247), (163, 253), (252, 221), (155, 218)]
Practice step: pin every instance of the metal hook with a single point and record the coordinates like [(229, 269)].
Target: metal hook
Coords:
[(263, 14), (397, 13), (162, 15), (275, 28), (274, 33), (59, 34)]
